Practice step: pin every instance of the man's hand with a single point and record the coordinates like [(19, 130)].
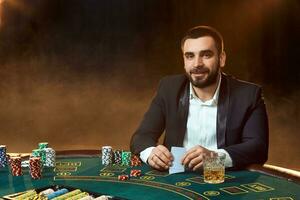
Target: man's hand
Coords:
[(160, 158), (193, 158)]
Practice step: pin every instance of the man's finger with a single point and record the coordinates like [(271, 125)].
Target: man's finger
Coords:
[(159, 162), (153, 164), (184, 158), (200, 164), (193, 162), (162, 157), (190, 157), (165, 151)]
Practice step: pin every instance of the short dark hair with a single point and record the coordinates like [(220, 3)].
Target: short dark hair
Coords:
[(201, 31)]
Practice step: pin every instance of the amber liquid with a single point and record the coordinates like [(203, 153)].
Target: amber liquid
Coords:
[(214, 175)]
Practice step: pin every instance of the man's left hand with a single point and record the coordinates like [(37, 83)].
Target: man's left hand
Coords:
[(193, 158)]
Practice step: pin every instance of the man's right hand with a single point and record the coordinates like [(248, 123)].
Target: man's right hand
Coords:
[(160, 158)]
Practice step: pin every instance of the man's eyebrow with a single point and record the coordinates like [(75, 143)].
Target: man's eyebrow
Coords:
[(188, 53), (206, 51), (201, 52)]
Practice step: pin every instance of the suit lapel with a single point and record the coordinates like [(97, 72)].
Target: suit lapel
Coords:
[(223, 106), (183, 108)]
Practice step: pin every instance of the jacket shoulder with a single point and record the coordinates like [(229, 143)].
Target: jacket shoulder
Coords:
[(241, 84), (243, 91)]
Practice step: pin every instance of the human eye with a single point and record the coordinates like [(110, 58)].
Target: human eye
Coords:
[(189, 56), (207, 54)]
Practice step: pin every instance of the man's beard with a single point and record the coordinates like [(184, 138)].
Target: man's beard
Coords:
[(208, 81)]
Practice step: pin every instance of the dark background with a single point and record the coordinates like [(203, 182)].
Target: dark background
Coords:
[(81, 73)]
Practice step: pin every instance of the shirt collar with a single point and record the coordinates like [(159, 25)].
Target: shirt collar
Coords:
[(213, 101)]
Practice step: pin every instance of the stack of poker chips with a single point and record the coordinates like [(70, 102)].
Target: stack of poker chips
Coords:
[(46, 192), (68, 195), (118, 157), (107, 155), (39, 153), (90, 198), (57, 193), (27, 195), (46, 154), (126, 158), (135, 173), (15, 165), (78, 196), (49, 157), (35, 167), (3, 156), (60, 194), (135, 161), (38, 197)]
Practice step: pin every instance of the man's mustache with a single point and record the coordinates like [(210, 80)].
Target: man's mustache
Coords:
[(198, 70)]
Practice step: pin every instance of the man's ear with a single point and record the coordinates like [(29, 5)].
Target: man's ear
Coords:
[(222, 58)]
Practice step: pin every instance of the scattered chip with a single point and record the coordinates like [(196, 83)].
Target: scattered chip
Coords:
[(135, 173), (123, 177)]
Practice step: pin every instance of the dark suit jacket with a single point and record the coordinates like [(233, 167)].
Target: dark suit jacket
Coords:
[(242, 124)]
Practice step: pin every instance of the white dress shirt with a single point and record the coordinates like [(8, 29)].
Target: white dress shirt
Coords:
[(201, 126)]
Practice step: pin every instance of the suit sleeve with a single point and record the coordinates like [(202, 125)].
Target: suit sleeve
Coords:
[(253, 148), (152, 125)]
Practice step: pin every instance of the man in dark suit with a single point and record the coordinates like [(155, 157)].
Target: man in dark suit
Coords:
[(204, 110)]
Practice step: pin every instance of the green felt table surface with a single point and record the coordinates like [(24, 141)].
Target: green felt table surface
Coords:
[(88, 174)]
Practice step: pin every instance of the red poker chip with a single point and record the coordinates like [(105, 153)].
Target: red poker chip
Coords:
[(135, 161), (135, 173), (15, 165), (123, 177), (35, 167)]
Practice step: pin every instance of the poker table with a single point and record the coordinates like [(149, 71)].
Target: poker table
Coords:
[(83, 170)]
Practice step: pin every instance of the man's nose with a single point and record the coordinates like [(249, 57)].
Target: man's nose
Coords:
[(198, 61)]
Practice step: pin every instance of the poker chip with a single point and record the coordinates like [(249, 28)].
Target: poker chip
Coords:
[(47, 191), (118, 157), (43, 145), (135, 173), (107, 155), (35, 167), (3, 156), (27, 194), (78, 196), (68, 195), (123, 177), (103, 197), (57, 193), (135, 161), (15, 166), (126, 158), (36, 153), (39, 153), (87, 198), (50, 156), (25, 163), (37, 197)]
